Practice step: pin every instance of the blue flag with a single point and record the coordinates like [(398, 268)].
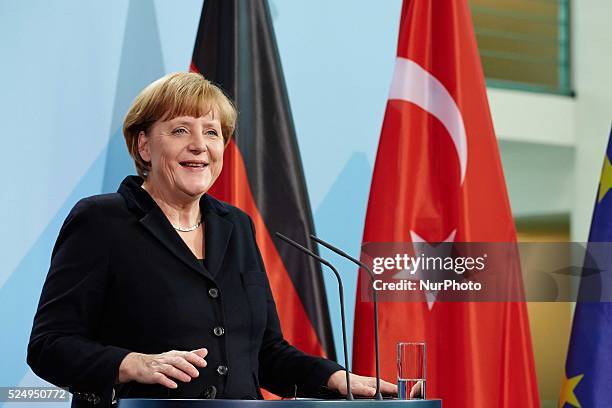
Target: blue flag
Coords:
[(588, 369)]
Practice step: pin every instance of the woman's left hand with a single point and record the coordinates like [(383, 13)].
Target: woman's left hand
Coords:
[(360, 386)]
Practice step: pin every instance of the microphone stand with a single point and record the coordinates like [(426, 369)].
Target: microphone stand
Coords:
[(349, 394), (343, 254)]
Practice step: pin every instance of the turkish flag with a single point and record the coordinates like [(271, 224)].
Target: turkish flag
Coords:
[(438, 178)]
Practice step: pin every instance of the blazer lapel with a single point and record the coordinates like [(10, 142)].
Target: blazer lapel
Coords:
[(156, 222), (217, 229), (217, 232)]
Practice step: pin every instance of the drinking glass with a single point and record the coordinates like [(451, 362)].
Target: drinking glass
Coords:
[(411, 378)]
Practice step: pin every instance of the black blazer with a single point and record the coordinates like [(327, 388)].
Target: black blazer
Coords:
[(122, 280)]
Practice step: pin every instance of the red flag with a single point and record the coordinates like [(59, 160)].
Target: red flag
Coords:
[(437, 178), (262, 172)]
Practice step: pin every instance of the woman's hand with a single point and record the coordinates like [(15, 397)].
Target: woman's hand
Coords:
[(162, 368), (360, 386)]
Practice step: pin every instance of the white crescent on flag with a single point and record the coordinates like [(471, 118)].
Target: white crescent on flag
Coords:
[(412, 83)]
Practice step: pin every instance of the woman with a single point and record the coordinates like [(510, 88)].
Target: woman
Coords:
[(159, 290)]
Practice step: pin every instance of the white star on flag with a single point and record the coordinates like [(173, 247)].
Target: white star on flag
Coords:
[(421, 246)]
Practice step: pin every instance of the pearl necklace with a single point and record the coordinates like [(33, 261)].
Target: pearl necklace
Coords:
[(187, 229)]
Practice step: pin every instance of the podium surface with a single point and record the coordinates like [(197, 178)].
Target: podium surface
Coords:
[(298, 403)]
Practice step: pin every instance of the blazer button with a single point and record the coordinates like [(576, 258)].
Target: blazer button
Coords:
[(213, 293), (219, 331), (210, 392), (93, 398), (222, 370)]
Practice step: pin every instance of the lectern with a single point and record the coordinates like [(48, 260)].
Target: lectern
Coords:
[(299, 403)]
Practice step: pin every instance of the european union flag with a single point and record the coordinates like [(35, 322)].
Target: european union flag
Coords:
[(588, 369)]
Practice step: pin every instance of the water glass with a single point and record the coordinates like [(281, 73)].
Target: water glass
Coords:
[(411, 370)]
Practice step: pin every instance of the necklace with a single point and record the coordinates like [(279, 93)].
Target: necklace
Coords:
[(187, 229), (179, 228)]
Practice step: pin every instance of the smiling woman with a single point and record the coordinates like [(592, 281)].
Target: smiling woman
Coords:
[(179, 96), (159, 290), (176, 131), (185, 156)]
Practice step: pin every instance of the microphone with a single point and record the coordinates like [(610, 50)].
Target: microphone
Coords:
[(343, 254), (349, 394)]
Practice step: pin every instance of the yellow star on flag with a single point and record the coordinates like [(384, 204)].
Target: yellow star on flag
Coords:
[(605, 183), (567, 389)]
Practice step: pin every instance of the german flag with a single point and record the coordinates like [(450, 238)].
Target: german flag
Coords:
[(262, 172)]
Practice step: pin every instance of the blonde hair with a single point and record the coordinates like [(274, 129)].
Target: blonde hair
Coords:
[(171, 96)]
